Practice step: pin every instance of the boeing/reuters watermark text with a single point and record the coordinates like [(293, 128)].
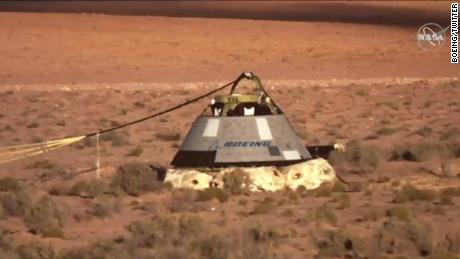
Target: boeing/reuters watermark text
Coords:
[(454, 33)]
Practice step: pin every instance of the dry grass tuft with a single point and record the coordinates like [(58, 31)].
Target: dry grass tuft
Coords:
[(32, 125), (9, 184), (411, 193), (343, 200), (136, 178), (105, 208), (401, 213), (101, 250), (451, 135), (264, 207), (169, 136), (366, 156), (15, 203), (397, 237), (36, 250), (421, 151), (333, 243), (135, 152), (212, 193), (327, 189), (324, 214), (451, 191), (386, 131), (164, 230), (424, 131), (44, 218), (43, 164), (288, 213), (59, 189), (183, 201), (115, 137), (236, 182), (443, 255), (87, 188)]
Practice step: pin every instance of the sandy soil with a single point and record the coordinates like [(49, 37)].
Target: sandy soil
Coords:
[(65, 74), (81, 48)]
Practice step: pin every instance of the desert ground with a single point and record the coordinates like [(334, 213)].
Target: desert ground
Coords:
[(357, 78)]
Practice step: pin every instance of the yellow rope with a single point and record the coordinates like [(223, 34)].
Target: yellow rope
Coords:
[(11, 153)]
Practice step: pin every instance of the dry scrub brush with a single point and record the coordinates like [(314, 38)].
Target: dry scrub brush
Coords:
[(198, 239), (136, 178)]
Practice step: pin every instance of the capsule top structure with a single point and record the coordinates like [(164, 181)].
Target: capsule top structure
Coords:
[(241, 130)]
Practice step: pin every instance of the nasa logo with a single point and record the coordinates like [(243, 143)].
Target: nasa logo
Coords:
[(247, 143), (431, 36)]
